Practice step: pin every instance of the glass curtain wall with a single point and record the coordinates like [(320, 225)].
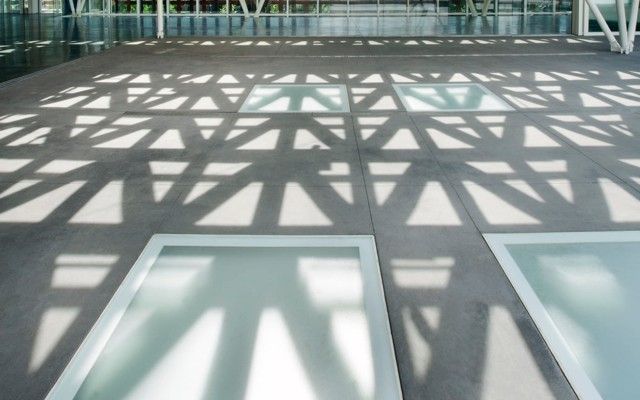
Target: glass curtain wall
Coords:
[(51, 6), (12, 6), (608, 10), (335, 7), (22, 7)]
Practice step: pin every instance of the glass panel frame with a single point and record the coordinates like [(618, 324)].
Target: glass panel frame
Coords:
[(553, 336), (261, 92), (403, 90), (386, 378)]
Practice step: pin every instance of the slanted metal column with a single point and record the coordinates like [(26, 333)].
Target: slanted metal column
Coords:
[(485, 7), (615, 46), (626, 32), (245, 9), (622, 26), (633, 21), (160, 19), (259, 5), (76, 9), (472, 8)]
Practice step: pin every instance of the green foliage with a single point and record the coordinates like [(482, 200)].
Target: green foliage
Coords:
[(273, 8), (456, 6), (540, 6)]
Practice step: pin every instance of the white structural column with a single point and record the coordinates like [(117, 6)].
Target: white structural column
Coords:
[(615, 46), (259, 5), (622, 26), (633, 21), (160, 20), (472, 8), (626, 32), (245, 9), (485, 7), (76, 9)]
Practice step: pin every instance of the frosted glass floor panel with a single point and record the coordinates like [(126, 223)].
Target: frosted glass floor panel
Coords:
[(297, 99), (241, 317), (583, 292), (449, 97)]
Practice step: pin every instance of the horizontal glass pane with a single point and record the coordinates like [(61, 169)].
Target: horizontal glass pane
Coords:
[(448, 97), (296, 99), (583, 291), (219, 317)]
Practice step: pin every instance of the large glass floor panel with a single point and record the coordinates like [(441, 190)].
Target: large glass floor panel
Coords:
[(241, 317), (449, 97), (297, 99), (583, 292)]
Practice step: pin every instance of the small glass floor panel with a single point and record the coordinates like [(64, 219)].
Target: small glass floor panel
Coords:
[(297, 99), (241, 317), (583, 292), (449, 97)]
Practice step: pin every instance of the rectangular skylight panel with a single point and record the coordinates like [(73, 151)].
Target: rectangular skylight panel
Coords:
[(314, 99), (241, 317), (583, 291), (448, 97)]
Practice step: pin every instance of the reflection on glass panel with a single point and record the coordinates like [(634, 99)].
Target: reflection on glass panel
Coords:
[(303, 6), (363, 7), (510, 6), (540, 6), (422, 6), (274, 7), (124, 6), (181, 26), (563, 5), (51, 6), (608, 10), (333, 6)]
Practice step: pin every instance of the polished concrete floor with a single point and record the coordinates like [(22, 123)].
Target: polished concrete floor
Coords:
[(147, 138), (31, 43)]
